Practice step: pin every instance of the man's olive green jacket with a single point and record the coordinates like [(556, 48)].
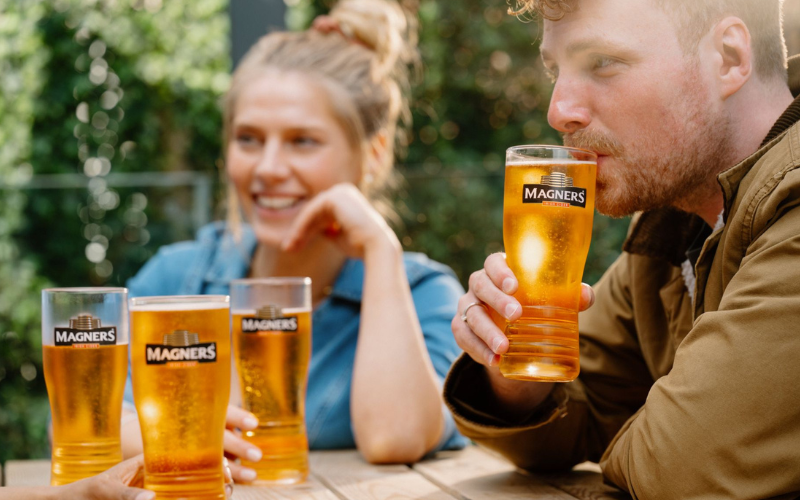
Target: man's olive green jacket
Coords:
[(677, 397)]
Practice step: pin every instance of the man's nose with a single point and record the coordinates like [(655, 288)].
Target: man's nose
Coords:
[(568, 111)]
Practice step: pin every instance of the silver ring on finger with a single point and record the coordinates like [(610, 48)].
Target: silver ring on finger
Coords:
[(466, 309)]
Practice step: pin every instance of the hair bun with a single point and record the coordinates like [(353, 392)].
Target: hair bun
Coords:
[(381, 25)]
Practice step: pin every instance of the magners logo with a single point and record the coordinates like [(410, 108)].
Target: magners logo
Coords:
[(269, 318), (555, 190), (181, 349), (85, 332)]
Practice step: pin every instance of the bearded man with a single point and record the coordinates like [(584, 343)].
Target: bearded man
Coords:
[(690, 371)]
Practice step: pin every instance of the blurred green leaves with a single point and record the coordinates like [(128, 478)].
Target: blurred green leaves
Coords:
[(94, 88), (131, 86), (23, 406)]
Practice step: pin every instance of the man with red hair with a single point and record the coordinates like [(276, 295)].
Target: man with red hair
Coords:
[(689, 372)]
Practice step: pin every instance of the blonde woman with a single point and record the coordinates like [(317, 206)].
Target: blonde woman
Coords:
[(310, 123)]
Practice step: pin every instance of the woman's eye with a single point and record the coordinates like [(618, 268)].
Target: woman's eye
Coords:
[(246, 139), (305, 141)]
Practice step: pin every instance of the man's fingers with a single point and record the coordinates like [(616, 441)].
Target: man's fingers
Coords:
[(501, 275), (481, 324), (240, 419), (237, 446), (471, 343), (479, 335), (587, 297), (242, 474), (485, 291)]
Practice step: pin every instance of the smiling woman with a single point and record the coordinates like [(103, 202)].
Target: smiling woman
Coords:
[(310, 124), (286, 147)]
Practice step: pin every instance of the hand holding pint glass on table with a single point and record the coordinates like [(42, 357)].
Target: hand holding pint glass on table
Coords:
[(85, 358), (181, 366), (272, 348), (548, 210)]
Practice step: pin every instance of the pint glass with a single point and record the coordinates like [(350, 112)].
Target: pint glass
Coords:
[(85, 355), (272, 348), (181, 366), (548, 209)]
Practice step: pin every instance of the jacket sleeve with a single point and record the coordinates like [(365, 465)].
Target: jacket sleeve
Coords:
[(726, 420), (579, 419)]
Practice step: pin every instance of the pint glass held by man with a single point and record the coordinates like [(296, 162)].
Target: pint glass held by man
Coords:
[(181, 367), (547, 226), (272, 348), (85, 358)]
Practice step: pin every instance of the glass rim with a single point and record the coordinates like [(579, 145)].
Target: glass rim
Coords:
[(548, 147), (178, 299), (272, 281), (86, 290)]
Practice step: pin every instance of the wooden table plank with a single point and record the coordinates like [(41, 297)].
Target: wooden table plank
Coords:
[(585, 482), (37, 473), (351, 478), (476, 475), (27, 473), (472, 474), (310, 490)]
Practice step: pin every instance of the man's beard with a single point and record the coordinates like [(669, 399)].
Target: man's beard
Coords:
[(675, 166)]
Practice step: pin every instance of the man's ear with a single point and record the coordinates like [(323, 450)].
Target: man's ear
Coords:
[(734, 55)]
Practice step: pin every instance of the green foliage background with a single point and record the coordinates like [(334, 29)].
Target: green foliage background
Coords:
[(101, 87)]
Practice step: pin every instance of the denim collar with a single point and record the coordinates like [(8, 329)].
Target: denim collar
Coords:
[(230, 259), (227, 259)]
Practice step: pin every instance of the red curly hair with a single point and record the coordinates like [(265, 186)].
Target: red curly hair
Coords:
[(693, 19), (552, 10)]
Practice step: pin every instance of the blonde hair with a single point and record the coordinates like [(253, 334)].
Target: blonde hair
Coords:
[(365, 71), (693, 19)]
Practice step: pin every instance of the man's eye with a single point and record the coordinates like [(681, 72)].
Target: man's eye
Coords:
[(600, 63)]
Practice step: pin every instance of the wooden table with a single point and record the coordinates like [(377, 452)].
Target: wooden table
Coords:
[(471, 474)]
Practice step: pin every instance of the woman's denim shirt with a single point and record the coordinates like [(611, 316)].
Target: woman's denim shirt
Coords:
[(206, 267)]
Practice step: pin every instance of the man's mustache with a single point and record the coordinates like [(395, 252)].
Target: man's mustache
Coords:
[(595, 141)]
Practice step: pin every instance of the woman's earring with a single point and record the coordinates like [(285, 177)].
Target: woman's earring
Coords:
[(368, 178)]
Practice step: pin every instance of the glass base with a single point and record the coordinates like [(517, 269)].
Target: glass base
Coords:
[(75, 461), (543, 346), (280, 478), (285, 453), (182, 485)]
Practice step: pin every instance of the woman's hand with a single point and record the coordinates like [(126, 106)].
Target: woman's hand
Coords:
[(343, 214), (236, 447)]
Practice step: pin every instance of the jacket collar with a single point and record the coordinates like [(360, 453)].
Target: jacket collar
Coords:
[(667, 233)]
